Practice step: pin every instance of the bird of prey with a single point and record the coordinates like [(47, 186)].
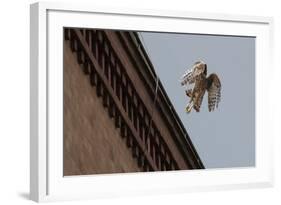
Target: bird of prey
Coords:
[(197, 76)]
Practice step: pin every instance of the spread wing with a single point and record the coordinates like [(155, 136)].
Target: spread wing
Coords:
[(214, 91), (190, 76), (187, 78)]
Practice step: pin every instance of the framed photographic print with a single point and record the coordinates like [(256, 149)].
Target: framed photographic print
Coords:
[(127, 102)]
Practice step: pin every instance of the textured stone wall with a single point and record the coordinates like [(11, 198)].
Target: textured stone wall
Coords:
[(92, 144), (148, 101)]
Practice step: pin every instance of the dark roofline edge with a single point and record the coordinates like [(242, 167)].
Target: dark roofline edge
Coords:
[(138, 44)]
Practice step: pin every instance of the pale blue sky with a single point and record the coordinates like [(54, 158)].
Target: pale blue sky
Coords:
[(225, 137)]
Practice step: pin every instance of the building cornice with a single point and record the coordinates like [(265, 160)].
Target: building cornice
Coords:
[(120, 97)]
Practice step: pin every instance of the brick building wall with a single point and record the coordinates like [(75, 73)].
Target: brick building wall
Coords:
[(109, 94), (92, 144)]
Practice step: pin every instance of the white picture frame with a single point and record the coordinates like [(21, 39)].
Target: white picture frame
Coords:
[(46, 179)]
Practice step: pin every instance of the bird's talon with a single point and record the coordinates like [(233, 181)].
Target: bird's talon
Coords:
[(188, 109)]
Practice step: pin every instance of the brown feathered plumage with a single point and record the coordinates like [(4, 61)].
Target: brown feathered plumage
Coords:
[(198, 76)]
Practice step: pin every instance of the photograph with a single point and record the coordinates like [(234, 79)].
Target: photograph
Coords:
[(143, 101)]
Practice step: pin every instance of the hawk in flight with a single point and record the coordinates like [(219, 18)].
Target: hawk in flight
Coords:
[(197, 75)]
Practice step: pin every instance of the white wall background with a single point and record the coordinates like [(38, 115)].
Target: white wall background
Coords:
[(14, 103)]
